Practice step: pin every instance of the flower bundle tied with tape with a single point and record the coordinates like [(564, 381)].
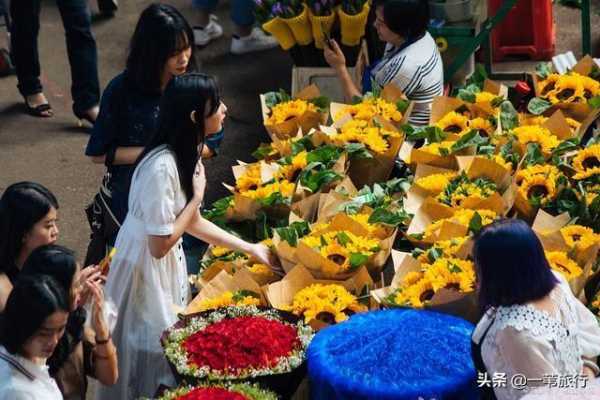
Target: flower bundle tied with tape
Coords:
[(284, 116)]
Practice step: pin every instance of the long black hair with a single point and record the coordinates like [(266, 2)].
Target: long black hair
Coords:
[(22, 205), (511, 265), (32, 300), (161, 32), (59, 263), (185, 94)]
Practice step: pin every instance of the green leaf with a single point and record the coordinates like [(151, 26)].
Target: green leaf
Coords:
[(262, 151), (469, 139), (475, 224), (478, 77), (240, 294), (301, 144), (384, 216), (564, 147), (314, 180), (434, 253), (455, 269), (343, 238), (543, 70), (509, 118), (321, 102), (218, 209), (274, 199), (356, 100), (402, 105), (534, 155), (324, 154), (358, 259), (292, 233), (594, 102), (432, 134), (538, 106), (357, 151)]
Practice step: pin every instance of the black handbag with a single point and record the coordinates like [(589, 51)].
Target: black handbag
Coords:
[(103, 223)]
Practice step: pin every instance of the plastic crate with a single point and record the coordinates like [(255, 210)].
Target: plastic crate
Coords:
[(528, 30)]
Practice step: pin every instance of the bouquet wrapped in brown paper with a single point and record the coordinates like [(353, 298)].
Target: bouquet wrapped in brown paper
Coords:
[(389, 104), (575, 92), (571, 249), (227, 289), (447, 285), (372, 147), (483, 100), (283, 115), (320, 302)]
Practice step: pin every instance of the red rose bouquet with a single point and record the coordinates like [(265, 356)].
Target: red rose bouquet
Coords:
[(238, 391), (236, 343)]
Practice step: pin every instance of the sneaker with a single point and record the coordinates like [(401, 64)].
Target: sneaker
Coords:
[(202, 36), (108, 7), (257, 40)]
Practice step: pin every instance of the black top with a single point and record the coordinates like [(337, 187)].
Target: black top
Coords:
[(128, 117)]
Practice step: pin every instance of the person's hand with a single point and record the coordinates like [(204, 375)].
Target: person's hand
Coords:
[(334, 55), (588, 372), (81, 291), (199, 181), (264, 255), (98, 322)]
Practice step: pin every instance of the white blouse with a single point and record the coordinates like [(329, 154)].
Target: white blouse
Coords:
[(526, 340), (21, 379)]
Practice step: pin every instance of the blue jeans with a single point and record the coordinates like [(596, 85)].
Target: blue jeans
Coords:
[(242, 11), (81, 49)]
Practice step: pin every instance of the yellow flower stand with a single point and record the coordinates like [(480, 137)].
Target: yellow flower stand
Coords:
[(318, 23), (353, 26), (300, 27), (280, 31)]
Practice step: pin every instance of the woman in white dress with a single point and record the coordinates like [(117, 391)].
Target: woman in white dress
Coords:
[(534, 331), (35, 318), (148, 281)]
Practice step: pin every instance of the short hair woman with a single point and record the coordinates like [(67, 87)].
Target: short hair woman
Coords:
[(533, 325), (411, 60)]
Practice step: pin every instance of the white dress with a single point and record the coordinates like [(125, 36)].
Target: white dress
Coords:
[(145, 289), (21, 379), (541, 346)]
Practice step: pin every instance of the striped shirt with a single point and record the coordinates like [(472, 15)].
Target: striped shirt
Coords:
[(418, 71)]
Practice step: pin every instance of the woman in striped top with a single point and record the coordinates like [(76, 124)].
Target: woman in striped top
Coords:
[(411, 60)]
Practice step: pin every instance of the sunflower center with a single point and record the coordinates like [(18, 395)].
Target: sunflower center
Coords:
[(576, 238), (565, 94), (337, 258), (537, 191), (295, 175), (253, 187), (548, 88), (454, 286), (426, 295), (326, 317), (591, 162), (587, 94), (453, 129)]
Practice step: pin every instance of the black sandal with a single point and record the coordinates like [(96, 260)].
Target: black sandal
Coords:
[(42, 110)]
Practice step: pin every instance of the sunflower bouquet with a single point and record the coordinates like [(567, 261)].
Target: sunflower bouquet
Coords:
[(389, 104), (445, 283), (586, 162), (537, 186), (228, 298), (284, 116), (482, 95), (576, 92), (330, 303), (537, 135), (464, 192), (426, 230)]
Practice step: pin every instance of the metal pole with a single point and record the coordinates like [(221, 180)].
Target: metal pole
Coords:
[(586, 28)]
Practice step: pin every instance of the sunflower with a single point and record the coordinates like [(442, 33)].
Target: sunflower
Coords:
[(536, 134), (560, 262), (290, 171), (462, 217), (435, 183), (415, 295), (498, 159), (448, 248), (454, 122), (579, 237), (591, 87), (315, 300), (375, 138), (485, 97), (284, 187), (451, 273), (483, 126), (568, 89), (261, 269), (587, 162), (285, 111), (219, 251), (239, 298), (439, 148), (370, 107), (573, 124), (548, 84), (538, 183), (462, 188), (250, 180), (375, 230), (546, 171), (538, 120)]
